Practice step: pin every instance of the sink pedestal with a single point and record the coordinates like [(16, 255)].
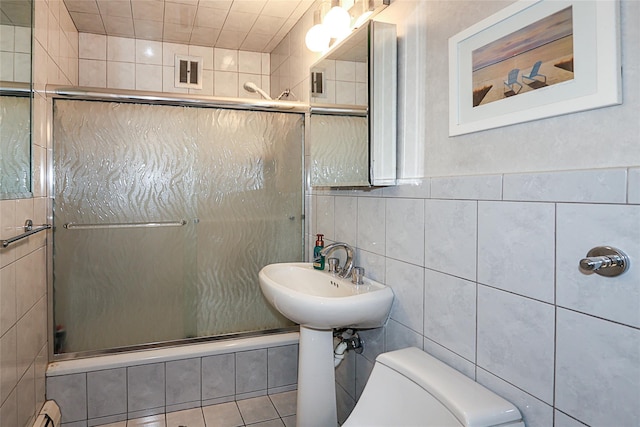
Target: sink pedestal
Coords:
[(316, 379), (319, 301)]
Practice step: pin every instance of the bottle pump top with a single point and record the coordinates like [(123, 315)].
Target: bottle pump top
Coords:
[(319, 240)]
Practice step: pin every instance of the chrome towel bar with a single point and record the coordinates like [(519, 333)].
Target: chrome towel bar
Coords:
[(28, 231), (74, 226)]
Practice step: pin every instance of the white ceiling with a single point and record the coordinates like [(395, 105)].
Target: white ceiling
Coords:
[(252, 25)]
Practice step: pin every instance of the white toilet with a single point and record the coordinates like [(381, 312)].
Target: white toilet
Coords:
[(408, 387)]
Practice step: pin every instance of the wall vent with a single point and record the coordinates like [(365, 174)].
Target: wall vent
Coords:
[(188, 72), (317, 84)]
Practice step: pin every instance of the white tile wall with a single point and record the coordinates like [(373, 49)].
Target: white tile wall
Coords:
[(634, 186), (597, 370), (604, 186), (451, 237), (528, 325), (516, 340), (514, 240), (450, 312), (15, 50), (405, 229), (110, 395), (581, 227), (126, 63), (23, 292)]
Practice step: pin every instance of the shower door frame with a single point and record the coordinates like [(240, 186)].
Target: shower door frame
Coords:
[(161, 98)]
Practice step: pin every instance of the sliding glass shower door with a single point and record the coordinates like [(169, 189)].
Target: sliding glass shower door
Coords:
[(163, 217)]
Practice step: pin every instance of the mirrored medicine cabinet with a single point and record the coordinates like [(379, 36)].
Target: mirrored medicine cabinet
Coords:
[(353, 104), (15, 99)]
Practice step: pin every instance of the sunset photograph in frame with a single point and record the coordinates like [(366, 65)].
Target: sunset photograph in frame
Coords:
[(532, 60), (537, 56)]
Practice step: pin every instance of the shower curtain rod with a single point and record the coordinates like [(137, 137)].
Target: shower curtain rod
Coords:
[(162, 98)]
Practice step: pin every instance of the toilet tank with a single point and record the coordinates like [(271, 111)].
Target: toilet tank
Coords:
[(408, 387)]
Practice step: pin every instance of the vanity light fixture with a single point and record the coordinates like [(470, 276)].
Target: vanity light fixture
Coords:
[(337, 22), (363, 10), (317, 38), (331, 21)]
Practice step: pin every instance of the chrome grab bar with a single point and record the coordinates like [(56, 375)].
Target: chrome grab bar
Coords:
[(28, 231), (71, 225)]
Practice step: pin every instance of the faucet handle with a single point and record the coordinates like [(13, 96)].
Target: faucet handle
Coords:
[(357, 275), (334, 265)]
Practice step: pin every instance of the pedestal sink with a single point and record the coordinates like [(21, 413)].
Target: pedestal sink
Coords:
[(320, 301)]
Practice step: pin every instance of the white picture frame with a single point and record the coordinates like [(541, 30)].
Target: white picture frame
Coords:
[(595, 67)]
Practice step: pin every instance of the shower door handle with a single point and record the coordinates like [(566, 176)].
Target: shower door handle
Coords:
[(72, 225)]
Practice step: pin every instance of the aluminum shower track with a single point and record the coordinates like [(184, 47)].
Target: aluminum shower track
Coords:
[(162, 98)]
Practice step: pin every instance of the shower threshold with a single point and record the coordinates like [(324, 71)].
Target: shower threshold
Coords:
[(172, 343)]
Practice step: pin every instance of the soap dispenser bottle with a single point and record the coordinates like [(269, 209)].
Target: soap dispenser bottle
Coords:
[(318, 260)]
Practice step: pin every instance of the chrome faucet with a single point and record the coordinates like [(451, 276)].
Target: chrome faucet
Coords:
[(348, 264)]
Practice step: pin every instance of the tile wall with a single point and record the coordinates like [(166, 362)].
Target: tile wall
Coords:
[(15, 53), (345, 83), (485, 275), (23, 266), (125, 63), (106, 396), (482, 238)]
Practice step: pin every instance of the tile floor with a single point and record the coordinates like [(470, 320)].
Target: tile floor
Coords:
[(276, 410)]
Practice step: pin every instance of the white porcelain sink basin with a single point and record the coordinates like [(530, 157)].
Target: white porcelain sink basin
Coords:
[(320, 300)]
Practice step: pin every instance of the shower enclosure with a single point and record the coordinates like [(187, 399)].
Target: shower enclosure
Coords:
[(163, 217)]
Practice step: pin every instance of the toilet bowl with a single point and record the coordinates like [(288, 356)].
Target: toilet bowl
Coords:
[(408, 387)]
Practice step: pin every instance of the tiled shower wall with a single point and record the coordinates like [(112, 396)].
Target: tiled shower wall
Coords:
[(15, 53), (105, 396), (125, 63), (23, 290), (485, 275)]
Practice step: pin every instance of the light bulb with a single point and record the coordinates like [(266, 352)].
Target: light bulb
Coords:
[(317, 38), (362, 19), (337, 22)]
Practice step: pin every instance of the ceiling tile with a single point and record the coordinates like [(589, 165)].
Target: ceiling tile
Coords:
[(16, 13), (254, 25), (88, 23), (4, 19), (176, 33), (115, 8), (230, 39), (255, 42), (209, 17), (216, 4), (203, 36), (148, 10), (248, 6), (148, 30), (178, 13), (118, 26), (239, 21), (271, 45), (280, 8), (84, 6), (303, 6), (267, 25)]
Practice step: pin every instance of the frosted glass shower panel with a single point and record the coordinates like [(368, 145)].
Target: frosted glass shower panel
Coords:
[(249, 206), (121, 164), (163, 217), (15, 147), (339, 151)]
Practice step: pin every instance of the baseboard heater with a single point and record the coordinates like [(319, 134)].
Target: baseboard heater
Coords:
[(49, 415)]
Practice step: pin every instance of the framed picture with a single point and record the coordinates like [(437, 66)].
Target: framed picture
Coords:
[(534, 59)]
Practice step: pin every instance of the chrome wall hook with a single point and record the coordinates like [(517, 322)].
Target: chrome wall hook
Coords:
[(605, 261)]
